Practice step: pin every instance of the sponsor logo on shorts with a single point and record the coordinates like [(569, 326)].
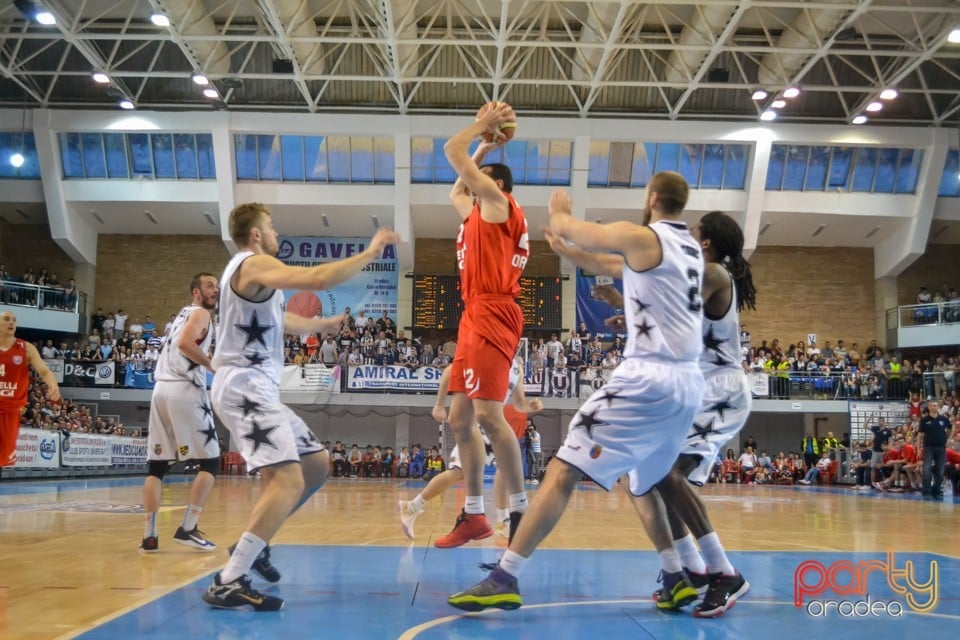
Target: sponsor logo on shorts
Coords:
[(158, 449), (184, 451), (595, 451)]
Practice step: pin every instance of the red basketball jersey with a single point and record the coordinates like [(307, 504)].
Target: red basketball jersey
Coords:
[(14, 376), (491, 257), (516, 419)]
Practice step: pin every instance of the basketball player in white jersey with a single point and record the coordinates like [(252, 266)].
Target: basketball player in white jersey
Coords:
[(637, 422), (409, 510), (246, 390), (181, 418), (727, 288)]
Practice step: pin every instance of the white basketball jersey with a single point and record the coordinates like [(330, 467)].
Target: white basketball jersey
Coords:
[(662, 305), (721, 340), (250, 333), (172, 364)]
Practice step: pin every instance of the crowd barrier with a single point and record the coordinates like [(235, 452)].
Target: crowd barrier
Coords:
[(45, 449)]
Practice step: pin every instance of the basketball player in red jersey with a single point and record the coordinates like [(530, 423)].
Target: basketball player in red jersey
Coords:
[(492, 251), (16, 356)]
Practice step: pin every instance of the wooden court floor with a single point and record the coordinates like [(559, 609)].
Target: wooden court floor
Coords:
[(69, 563)]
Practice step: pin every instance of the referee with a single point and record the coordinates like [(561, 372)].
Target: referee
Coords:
[(935, 429)]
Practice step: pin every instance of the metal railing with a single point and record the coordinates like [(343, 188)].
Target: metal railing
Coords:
[(820, 385), (44, 298), (916, 315)]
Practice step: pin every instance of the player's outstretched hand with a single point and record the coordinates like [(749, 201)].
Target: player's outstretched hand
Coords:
[(557, 243), (383, 237)]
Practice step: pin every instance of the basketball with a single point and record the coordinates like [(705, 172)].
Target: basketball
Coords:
[(305, 304), (507, 128)]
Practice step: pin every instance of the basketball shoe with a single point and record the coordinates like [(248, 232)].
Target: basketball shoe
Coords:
[(677, 591), (149, 545), (498, 590), (408, 513), (239, 593), (699, 581), (469, 526), (262, 564), (193, 539), (502, 528), (723, 593)]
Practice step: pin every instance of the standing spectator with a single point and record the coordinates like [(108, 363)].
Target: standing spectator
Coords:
[(416, 462), (96, 321), (554, 348), (70, 295), (936, 430), (810, 449), (119, 321), (136, 329), (329, 352), (149, 327), (536, 451), (881, 436)]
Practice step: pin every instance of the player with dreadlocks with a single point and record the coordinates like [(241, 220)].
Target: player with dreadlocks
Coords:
[(727, 288)]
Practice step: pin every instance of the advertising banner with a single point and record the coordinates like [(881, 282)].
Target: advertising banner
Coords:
[(38, 448), (89, 374), (393, 378), (374, 289), (128, 450), (310, 377), (593, 306), (55, 365), (86, 450)]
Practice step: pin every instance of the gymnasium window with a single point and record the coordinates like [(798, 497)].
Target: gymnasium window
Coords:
[(859, 169), (12, 142), (124, 156), (950, 180), (294, 158), (632, 164), (533, 162)]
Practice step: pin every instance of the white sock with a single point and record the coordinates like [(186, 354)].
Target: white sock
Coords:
[(474, 505), (518, 502), (248, 548), (191, 517), (670, 561), (689, 554), (503, 514), (714, 554), (512, 562), (150, 525), (418, 503)]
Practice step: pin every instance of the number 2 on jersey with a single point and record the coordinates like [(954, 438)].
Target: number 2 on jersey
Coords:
[(693, 293), (468, 379)]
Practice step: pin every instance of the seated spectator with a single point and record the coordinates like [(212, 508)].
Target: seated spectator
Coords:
[(338, 459), (764, 462), (416, 462), (354, 459), (371, 462), (730, 468), (149, 327), (434, 465), (403, 463), (748, 465), (386, 463), (823, 464), (783, 469)]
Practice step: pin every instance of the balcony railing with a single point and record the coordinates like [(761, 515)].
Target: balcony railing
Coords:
[(44, 298), (916, 315)]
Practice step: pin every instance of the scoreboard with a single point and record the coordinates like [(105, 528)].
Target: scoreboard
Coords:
[(437, 303)]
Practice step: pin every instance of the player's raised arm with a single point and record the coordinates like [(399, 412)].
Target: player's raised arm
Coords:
[(604, 264), (461, 195), (264, 270), (493, 204)]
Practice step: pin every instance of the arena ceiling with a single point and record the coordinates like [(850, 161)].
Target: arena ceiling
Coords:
[(659, 60)]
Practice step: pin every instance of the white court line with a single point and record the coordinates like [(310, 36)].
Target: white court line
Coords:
[(413, 632)]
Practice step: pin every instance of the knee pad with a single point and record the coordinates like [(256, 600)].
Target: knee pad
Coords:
[(210, 465), (158, 468)]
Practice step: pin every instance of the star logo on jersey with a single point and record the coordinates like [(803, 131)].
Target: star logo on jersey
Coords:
[(720, 407), (711, 342), (255, 359), (207, 411), (609, 395), (260, 436), (703, 431), (644, 328), (211, 434), (588, 421), (249, 406), (254, 330), (641, 307)]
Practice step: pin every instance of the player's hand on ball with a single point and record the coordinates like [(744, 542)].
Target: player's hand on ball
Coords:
[(491, 116), (618, 323)]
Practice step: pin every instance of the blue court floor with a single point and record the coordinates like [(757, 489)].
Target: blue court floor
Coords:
[(400, 592)]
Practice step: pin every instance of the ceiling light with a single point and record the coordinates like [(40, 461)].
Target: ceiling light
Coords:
[(791, 92), (759, 94), (126, 104), (954, 36), (17, 160), (45, 18), (874, 107), (210, 92), (768, 115), (778, 104), (888, 94), (200, 79), (860, 119), (101, 78), (160, 19)]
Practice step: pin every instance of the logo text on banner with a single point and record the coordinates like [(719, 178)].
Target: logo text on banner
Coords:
[(392, 377)]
